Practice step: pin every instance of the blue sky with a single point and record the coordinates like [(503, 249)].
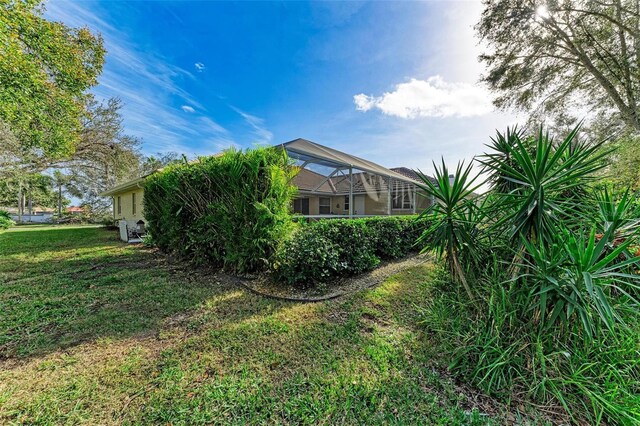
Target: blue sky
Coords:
[(396, 83)]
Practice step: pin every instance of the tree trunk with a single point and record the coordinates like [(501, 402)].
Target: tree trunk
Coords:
[(629, 115), (20, 203), (460, 274), (59, 200)]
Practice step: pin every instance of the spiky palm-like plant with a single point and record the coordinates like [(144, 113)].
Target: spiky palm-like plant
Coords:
[(616, 213), (450, 231), (576, 276), (546, 180), (501, 146)]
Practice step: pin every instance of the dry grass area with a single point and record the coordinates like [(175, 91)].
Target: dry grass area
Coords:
[(94, 331)]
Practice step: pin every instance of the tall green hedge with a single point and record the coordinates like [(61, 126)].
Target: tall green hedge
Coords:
[(328, 249), (231, 210)]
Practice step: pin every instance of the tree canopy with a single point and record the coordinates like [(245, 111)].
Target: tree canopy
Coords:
[(551, 57), (45, 70)]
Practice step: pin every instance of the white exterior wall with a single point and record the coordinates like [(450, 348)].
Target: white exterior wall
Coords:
[(34, 218)]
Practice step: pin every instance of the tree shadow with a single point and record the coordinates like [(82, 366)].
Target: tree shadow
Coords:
[(351, 360), (231, 354), (49, 304)]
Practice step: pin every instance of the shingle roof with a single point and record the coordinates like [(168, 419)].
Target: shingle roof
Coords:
[(410, 173)]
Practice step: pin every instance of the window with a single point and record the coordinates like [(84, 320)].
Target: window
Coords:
[(301, 206), (324, 205), (119, 205), (346, 203), (402, 199), (133, 203)]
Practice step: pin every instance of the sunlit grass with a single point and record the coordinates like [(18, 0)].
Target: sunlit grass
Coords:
[(114, 335)]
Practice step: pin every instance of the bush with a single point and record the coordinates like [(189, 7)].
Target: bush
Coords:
[(108, 222), (148, 241), (231, 210), (552, 317), (503, 352), (395, 237), (328, 249), (5, 220)]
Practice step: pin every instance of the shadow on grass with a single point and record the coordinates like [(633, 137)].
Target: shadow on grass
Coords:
[(346, 361), (232, 357), (107, 290)]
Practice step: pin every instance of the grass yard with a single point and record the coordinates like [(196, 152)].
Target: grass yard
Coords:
[(93, 331)]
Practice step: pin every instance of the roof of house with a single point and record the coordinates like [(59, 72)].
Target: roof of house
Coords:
[(411, 174), (124, 187), (308, 180), (74, 209), (307, 151), (366, 177), (312, 182)]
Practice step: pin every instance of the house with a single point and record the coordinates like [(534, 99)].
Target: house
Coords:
[(38, 214), (331, 184), (127, 207), (75, 210)]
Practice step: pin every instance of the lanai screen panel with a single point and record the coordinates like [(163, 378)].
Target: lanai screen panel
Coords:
[(307, 151), (364, 187)]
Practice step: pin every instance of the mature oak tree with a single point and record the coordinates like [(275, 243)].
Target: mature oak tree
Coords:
[(552, 57), (104, 156), (46, 69), (50, 121)]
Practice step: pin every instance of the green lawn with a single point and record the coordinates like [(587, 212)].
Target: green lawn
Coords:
[(94, 331)]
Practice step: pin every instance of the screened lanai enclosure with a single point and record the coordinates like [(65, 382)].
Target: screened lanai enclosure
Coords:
[(334, 184)]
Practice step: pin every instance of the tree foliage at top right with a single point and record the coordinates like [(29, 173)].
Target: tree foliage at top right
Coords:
[(551, 57)]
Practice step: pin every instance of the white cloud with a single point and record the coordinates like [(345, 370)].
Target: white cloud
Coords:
[(200, 66), (257, 123), (432, 97), (212, 126), (149, 87)]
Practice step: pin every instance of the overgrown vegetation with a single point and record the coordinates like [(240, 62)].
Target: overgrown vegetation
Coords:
[(230, 210), (552, 269), (94, 331), (328, 249), (5, 220), (46, 70)]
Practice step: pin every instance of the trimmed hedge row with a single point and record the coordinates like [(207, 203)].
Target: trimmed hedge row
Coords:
[(230, 210), (328, 249)]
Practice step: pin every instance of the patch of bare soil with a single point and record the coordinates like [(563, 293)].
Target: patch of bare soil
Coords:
[(265, 286)]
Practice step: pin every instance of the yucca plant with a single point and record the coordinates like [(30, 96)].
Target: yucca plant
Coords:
[(450, 231), (545, 181), (500, 155), (576, 277), (617, 214)]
